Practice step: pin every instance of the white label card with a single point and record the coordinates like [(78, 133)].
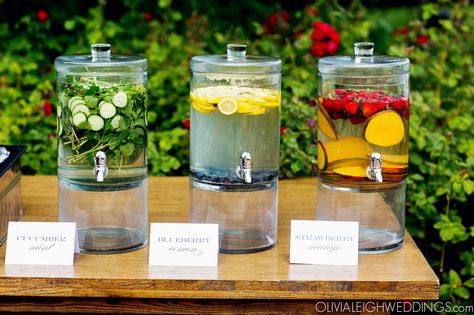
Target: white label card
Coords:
[(184, 244), (324, 242), (40, 243)]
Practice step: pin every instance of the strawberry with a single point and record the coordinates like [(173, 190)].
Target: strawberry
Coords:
[(397, 104), (406, 108), (338, 105), (381, 105), (351, 107), (364, 95), (328, 104), (368, 109), (336, 115), (340, 92), (375, 96), (356, 119), (350, 96)]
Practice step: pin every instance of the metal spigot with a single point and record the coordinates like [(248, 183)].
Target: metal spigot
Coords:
[(4, 153), (244, 171), (374, 171), (100, 166)]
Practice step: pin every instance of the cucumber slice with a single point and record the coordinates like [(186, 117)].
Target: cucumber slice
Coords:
[(75, 103), (115, 122), (107, 110), (96, 122), (81, 108), (78, 118), (120, 99), (72, 99)]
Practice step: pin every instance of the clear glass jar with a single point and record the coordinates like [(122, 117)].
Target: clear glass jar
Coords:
[(235, 145), (102, 149), (363, 112)]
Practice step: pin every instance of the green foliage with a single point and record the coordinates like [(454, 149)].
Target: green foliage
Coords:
[(440, 186), (440, 191)]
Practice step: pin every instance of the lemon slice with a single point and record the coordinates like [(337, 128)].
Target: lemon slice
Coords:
[(227, 106)]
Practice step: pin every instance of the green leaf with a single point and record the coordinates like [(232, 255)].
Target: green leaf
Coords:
[(462, 292), (446, 234), (127, 149), (93, 90), (469, 283), (445, 291), (468, 186), (454, 278), (164, 3), (69, 25)]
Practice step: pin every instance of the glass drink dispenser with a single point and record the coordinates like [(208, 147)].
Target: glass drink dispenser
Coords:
[(235, 141), (363, 111), (102, 149)]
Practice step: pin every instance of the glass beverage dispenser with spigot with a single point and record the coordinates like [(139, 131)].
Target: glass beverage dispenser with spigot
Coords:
[(235, 141), (363, 111), (102, 149)]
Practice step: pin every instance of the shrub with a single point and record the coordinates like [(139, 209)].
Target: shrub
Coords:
[(439, 44)]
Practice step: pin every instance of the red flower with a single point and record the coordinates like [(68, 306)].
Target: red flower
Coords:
[(285, 15), (334, 36), (326, 39), (51, 136), (283, 131), (332, 47), (313, 12), (405, 31), (147, 16), (298, 34), (325, 28), (47, 108), (318, 49), (276, 22), (422, 39), (187, 123), (42, 16), (317, 35)]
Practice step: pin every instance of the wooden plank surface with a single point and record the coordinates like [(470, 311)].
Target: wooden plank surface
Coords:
[(400, 275)]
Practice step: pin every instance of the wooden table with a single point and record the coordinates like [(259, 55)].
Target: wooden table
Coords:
[(260, 282)]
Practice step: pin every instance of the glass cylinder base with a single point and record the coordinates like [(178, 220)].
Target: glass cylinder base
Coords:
[(379, 209), (109, 218), (246, 213)]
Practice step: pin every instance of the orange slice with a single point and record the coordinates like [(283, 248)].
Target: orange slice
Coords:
[(322, 156), (384, 129), (325, 124), (344, 152), (351, 171)]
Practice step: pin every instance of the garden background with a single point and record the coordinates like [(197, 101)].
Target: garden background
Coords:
[(438, 38)]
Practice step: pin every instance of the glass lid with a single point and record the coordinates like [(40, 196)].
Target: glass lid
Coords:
[(363, 63), (236, 61), (100, 60)]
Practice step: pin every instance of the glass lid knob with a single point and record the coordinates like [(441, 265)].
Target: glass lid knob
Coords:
[(364, 49), (236, 52), (101, 52)]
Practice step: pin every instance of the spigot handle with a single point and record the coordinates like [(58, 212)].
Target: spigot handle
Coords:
[(374, 171), (246, 167), (100, 166)]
